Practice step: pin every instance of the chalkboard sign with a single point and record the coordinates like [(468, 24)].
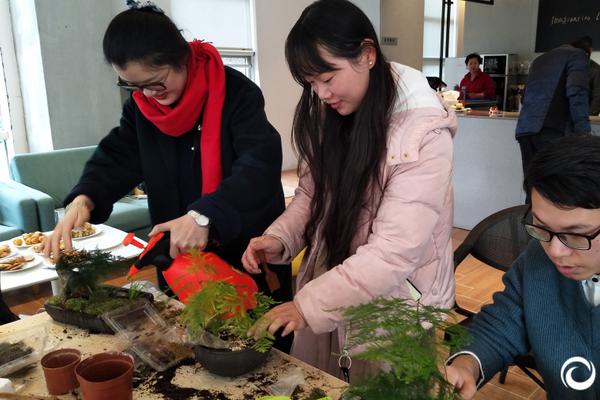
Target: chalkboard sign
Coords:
[(562, 21)]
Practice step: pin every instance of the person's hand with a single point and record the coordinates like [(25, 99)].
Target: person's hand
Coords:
[(285, 315), (267, 247), (76, 214), (463, 374), (186, 235)]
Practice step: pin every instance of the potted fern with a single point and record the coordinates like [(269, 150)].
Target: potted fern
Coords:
[(407, 340), (217, 317), (82, 298)]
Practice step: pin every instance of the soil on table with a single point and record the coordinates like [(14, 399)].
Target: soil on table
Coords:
[(147, 381)]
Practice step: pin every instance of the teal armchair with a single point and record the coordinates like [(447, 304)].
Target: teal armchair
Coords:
[(18, 212), (49, 178)]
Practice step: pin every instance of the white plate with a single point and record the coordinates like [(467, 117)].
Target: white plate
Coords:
[(98, 231), (33, 263), (101, 243)]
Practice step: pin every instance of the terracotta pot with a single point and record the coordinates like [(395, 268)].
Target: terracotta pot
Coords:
[(106, 376), (229, 363), (59, 370)]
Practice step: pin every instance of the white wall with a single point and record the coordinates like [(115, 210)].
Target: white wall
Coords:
[(403, 20), (508, 26)]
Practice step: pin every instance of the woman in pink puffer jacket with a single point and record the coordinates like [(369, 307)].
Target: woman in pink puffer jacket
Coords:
[(374, 203)]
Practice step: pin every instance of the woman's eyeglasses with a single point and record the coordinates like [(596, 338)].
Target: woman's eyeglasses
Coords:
[(153, 86), (573, 241)]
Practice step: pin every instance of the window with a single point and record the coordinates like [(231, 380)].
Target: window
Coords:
[(5, 150), (227, 24), (431, 36)]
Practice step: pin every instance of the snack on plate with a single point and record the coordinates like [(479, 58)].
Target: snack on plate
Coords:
[(86, 230), (27, 239), (4, 250), (38, 248), (15, 263)]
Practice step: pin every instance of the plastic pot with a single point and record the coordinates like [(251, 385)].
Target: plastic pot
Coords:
[(225, 362), (106, 376), (59, 370)]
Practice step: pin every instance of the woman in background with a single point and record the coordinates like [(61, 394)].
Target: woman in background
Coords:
[(374, 202), (476, 83)]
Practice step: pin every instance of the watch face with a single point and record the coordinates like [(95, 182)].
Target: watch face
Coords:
[(200, 219)]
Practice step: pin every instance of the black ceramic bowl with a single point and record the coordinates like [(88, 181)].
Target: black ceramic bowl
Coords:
[(225, 362)]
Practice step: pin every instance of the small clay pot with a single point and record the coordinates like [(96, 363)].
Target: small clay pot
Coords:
[(59, 370), (106, 376), (225, 362)]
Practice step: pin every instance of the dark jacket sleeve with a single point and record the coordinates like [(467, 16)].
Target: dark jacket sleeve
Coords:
[(577, 88), (255, 177), (498, 330), (594, 88), (113, 170)]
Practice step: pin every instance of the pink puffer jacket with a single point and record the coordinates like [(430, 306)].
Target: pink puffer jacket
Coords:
[(409, 236)]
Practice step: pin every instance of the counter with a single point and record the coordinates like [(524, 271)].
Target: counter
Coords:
[(488, 175)]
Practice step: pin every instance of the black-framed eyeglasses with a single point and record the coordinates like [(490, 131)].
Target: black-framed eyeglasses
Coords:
[(573, 241), (153, 86)]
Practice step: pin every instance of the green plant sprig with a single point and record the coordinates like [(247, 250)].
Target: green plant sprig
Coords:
[(83, 270), (219, 309), (402, 336)]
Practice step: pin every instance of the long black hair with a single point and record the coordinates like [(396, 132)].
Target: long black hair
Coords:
[(144, 34), (344, 153)]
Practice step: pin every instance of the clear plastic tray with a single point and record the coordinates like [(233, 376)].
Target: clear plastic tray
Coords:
[(157, 344), (20, 348)]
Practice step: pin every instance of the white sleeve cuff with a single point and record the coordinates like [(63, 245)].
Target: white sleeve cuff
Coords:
[(482, 376)]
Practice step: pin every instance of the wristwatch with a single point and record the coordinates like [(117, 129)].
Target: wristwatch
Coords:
[(202, 220)]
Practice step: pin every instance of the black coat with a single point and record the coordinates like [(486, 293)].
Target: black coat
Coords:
[(249, 198)]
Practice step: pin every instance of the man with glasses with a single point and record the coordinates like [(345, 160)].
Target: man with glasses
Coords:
[(549, 304)]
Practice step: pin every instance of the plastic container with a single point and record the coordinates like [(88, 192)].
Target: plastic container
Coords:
[(157, 344), (21, 348), (91, 322)]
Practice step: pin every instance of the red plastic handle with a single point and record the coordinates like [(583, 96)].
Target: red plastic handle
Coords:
[(130, 239)]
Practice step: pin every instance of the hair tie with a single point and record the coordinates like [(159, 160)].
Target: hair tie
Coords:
[(144, 6)]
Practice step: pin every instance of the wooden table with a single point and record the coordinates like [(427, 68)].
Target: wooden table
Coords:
[(200, 383)]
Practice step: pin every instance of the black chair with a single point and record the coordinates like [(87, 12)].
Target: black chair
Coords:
[(6, 315), (497, 241)]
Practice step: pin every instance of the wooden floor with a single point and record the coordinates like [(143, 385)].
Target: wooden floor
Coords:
[(475, 284)]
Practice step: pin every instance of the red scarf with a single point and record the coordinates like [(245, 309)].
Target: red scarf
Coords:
[(204, 90)]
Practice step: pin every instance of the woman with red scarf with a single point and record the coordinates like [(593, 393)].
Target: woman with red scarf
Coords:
[(196, 133)]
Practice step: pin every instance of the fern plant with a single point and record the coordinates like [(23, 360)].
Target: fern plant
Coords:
[(81, 271), (403, 337), (219, 308)]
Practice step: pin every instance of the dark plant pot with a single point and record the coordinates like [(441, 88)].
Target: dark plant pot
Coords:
[(106, 376), (229, 363), (59, 370), (91, 322)]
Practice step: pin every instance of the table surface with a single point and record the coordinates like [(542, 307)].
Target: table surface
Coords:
[(43, 272), (206, 385)]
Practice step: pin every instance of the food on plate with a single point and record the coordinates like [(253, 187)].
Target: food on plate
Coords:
[(38, 248), (15, 263), (4, 250), (85, 230), (28, 239)]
